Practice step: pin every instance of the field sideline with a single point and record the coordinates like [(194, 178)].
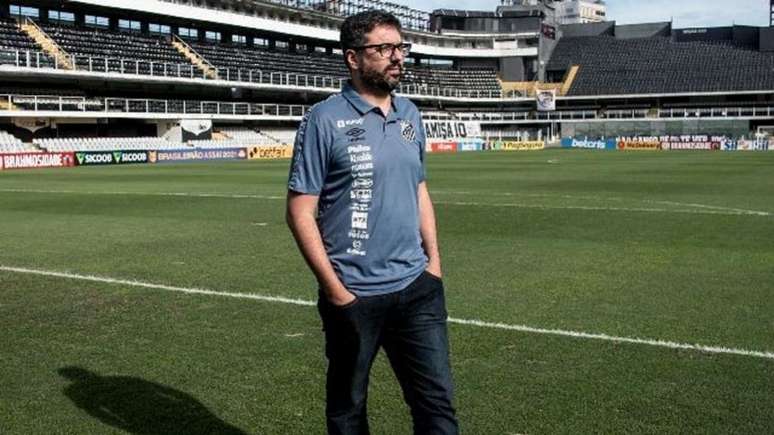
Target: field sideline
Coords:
[(588, 292)]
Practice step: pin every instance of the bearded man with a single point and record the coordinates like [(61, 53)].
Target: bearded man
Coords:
[(360, 212)]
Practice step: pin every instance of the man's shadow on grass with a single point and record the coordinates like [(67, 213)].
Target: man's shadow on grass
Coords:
[(141, 407)]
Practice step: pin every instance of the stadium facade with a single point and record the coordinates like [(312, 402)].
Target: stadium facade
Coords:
[(192, 79)]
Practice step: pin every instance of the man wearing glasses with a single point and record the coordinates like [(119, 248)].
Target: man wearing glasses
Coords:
[(360, 212)]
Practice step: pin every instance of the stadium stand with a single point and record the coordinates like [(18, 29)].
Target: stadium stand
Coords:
[(413, 19), (484, 80), (230, 60), (253, 137), (225, 143), (106, 144), (280, 135), (291, 69), (613, 66), (11, 144), (12, 38), (15, 44), (108, 51), (242, 138), (104, 50)]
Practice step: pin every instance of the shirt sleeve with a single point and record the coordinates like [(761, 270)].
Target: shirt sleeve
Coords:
[(422, 142), (309, 165)]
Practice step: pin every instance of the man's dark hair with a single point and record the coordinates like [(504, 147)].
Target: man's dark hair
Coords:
[(355, 27)]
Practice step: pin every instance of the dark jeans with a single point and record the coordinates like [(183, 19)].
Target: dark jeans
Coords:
[(411, 327)]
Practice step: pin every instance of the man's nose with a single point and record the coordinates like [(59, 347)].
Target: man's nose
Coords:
[(397, 54)]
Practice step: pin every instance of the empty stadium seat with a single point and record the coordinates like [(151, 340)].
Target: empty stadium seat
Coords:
[(16, 48), (659, 65), (235, 63), (11, 144), (104, 50), (248, 136), (280, 135), (106, 144)]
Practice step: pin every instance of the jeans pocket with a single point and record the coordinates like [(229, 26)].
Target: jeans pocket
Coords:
[(434, 277), (346, 307)]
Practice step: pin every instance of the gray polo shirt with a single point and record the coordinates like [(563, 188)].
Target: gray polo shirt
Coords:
[(366, 168)]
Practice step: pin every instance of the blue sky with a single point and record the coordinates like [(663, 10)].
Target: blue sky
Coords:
[(683, 13)]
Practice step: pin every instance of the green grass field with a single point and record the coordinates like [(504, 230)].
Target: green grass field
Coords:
[(662, 246)]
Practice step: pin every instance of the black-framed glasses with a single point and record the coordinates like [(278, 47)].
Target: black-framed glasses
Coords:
[(386, 50)]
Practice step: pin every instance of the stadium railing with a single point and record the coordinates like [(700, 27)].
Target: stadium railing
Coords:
[(410, 18), (39, 60), (717, 112), (625, 113), (618, 114), (513, 116), (56, 103)]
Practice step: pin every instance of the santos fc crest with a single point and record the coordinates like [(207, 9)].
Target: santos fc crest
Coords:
[(407, 131)]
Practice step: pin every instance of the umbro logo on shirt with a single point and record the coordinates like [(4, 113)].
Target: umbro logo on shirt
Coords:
[(355, 134)]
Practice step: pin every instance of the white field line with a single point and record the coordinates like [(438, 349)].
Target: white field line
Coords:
[(602, 208), (477, 323), (119, 192), (605, 337), (710, 207), (610, 199), (133, 283), (705, 209)]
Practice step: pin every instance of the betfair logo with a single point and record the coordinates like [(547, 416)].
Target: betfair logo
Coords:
[(341, 123)]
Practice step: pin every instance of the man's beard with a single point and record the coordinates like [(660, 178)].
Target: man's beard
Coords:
[(381, 80)]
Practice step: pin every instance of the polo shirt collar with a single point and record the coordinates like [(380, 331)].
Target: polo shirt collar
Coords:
[(363, 106)]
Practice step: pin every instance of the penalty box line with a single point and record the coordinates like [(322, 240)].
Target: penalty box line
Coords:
[(467, 322)]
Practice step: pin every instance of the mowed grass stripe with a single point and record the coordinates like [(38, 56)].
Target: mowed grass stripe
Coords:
[(699, 208), (261, 368), (477, 323)]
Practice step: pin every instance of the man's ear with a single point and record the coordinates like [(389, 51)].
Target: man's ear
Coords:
[(351, 57)]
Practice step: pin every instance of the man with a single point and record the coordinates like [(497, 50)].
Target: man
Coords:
[(360, 212)]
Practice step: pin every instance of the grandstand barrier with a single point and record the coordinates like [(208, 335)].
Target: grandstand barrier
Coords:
[(442, 147), (473, 144), (195, 155), (36, 160), (526, 145), (672, 143), (270, 152), (91, 158), (684, 142), (445, 125), (178, 108), (693, 142), (758, 144), (451, 129), (586, 143), (638, 143)]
